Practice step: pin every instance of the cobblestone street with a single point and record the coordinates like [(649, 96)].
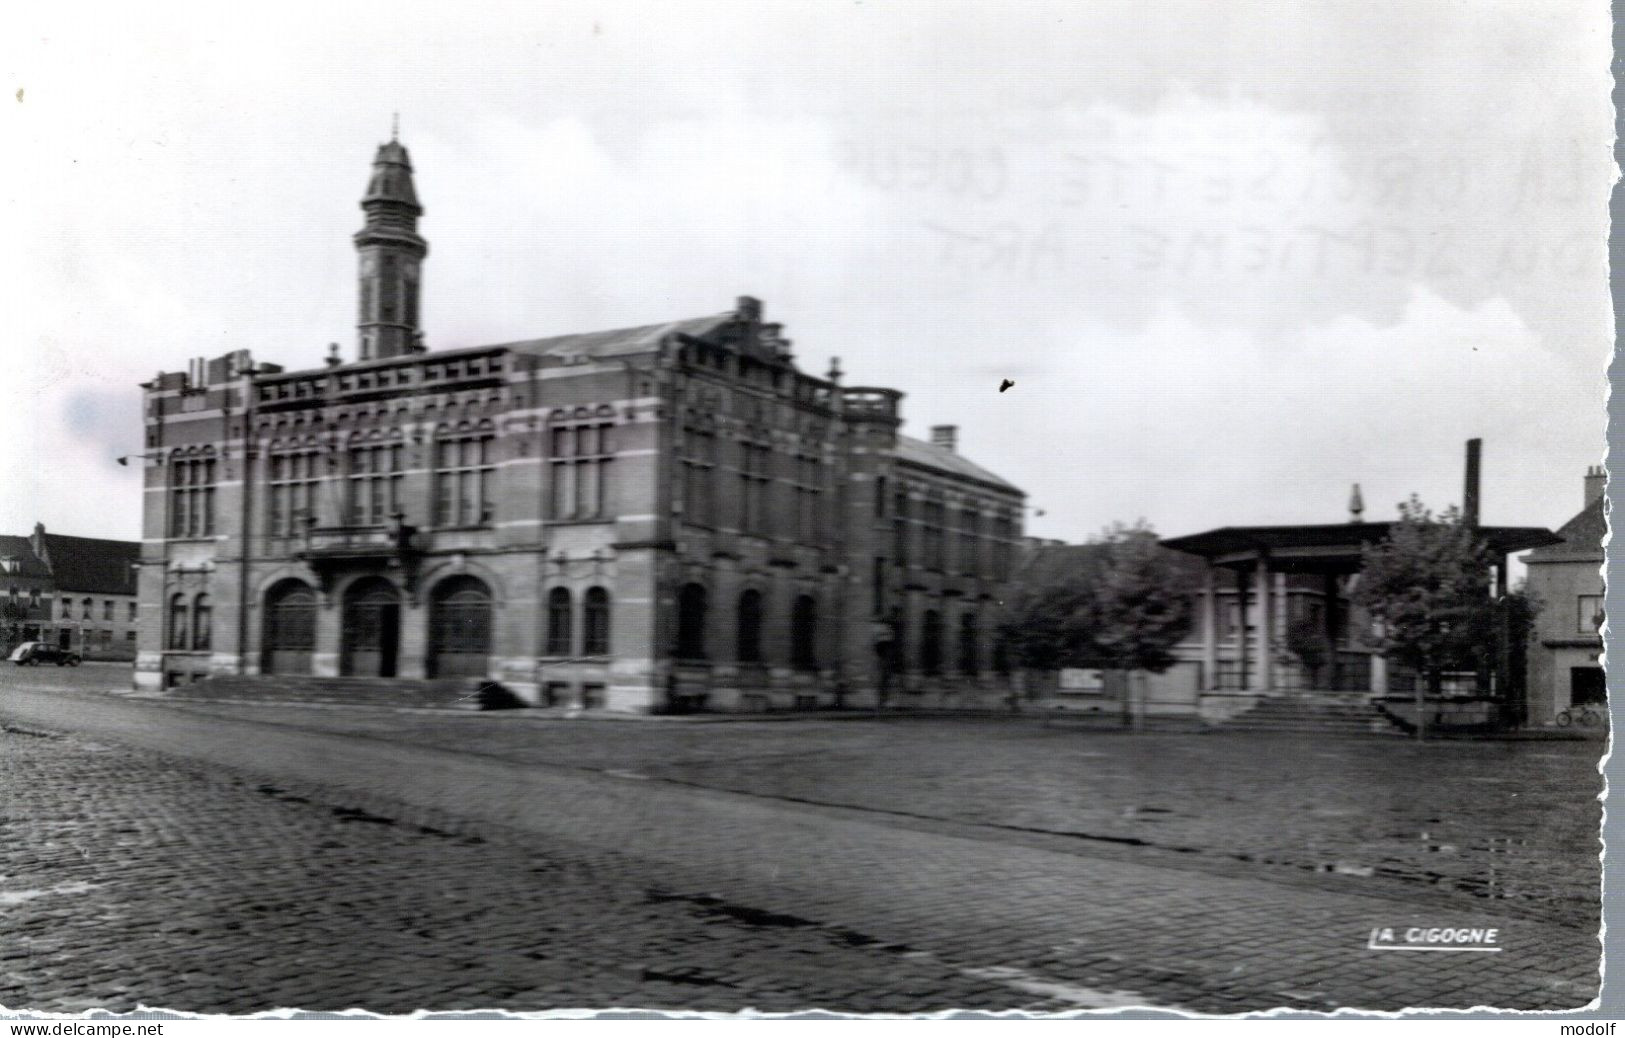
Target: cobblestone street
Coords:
[(307, 877)]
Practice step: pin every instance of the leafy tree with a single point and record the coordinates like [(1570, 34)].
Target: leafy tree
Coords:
[(1306, 642), (1427, 587), (1121, 601)]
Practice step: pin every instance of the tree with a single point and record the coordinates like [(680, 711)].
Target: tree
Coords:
[(1427, 588), (1120, 601), (1306, 642)]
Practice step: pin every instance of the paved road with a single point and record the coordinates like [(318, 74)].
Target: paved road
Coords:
[(290, 879)]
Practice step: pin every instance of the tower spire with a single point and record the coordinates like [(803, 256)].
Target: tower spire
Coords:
[(394, 127), (391, 255)]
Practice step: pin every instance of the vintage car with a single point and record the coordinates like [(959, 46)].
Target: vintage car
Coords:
[(32, 654)]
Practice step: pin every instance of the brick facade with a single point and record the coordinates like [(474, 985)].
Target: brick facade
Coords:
[(638, 519)]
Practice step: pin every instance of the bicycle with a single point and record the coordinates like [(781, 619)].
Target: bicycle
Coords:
[(1585, 715)]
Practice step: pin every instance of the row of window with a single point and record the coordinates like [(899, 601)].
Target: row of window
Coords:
[(464, 475), (750, 615), (922, 535), (89, 639), (461, 621), (928, 655), (382, 378), (801, 476), (87, 606)]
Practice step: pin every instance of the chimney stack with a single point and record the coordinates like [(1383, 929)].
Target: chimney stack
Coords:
[(1596, 482), (946, 436), (1469, 496)]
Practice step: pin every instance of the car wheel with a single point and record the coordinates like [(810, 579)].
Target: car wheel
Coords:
[(74, 662)]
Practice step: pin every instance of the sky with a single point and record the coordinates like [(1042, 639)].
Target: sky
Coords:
[(1235, 257)]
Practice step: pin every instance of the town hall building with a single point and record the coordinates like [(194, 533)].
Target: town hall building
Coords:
[(670, 516)]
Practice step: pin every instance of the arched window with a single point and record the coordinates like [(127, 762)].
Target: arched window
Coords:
[(691, 622), (931, 642), (177, 622), (750, 627), (968, 662), (595, 622), (202, 623), (558, 622), (804, 633), (459, 628)]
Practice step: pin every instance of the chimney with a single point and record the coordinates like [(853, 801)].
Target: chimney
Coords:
[(1469, 494), (1596, 481), (946, 436), (1356, 505)]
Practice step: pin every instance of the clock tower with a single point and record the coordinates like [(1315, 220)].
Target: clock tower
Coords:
[(391, 255)]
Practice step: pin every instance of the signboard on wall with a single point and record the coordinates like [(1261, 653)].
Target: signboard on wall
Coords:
[(1074, 679)]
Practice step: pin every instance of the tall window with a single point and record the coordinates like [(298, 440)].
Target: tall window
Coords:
[(373, 493), (691, 606), (595, 622), (132, 612), (107, 609), (804, 634), (202, 623), (809, 486), (464, 468), (67, 609), (191, 496), (880, 497), (580, 470), (33, 598), (899, 528), (699, 477), (86, 608), (750, 627), (558, 622), (1004, 532), (878, 582), (177, 622), (932, 518), (931, 642), (293, 477), (970, 533), (968, 663), (755, 482)]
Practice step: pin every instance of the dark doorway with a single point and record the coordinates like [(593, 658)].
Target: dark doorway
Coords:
[(372, 629), (64, 638), (1587, 685), (290, 628), (459, 629)]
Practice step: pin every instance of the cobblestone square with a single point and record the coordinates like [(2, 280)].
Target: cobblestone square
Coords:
[(240, 859)]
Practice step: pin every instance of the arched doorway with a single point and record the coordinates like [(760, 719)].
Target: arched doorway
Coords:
[(459, 629), (290, 628), (372, 629)]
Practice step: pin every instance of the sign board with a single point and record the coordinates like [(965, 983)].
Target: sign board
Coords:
[(1076, 680)]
